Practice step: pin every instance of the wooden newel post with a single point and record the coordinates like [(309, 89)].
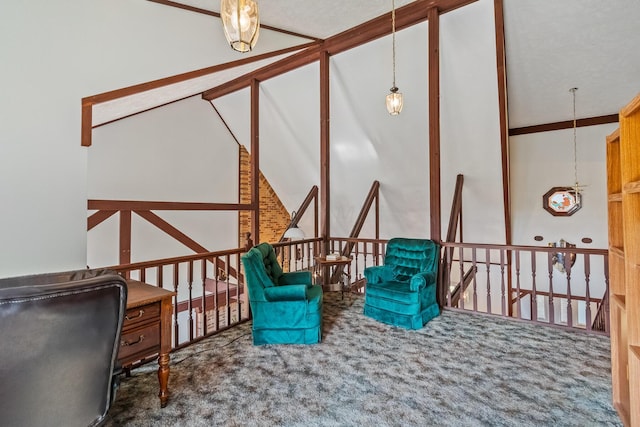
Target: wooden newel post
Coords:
[(248, 243)]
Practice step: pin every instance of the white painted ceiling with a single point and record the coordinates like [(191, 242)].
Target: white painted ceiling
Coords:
[(551, 46)]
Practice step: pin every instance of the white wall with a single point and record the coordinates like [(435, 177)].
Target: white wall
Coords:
[(179, 153), (54, 54), (544, 160), (470, 125)]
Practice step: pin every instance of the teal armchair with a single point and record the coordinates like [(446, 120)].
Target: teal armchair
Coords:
[(402, 292), (286, 307)]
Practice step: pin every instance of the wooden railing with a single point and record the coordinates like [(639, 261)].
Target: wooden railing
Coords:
[(208, 302), (546, 290)]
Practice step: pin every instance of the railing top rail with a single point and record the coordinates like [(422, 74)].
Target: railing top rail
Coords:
[(295, 242), (176, 260), (358, 239), (552, 249)]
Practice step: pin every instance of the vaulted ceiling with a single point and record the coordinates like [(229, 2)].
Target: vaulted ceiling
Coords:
[(551, 46)]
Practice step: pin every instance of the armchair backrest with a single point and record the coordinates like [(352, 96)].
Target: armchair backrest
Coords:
[(60, 338), (261, 270), (411, 256)]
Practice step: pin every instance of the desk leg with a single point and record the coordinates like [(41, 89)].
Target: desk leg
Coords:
[(163, 378), (165, 349)]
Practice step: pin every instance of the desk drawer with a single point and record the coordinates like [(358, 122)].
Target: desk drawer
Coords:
[(139, 341), (139, 315)]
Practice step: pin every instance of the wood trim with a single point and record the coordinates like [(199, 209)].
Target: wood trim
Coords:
[(406, 16), (85, 127), (155, 84), (171, 231), (434, 124), (164, 206), (567, 124), (297, 60), (255, 159), (504, 118), (325, 157), (125, 237), (99, 217), (217, 15)]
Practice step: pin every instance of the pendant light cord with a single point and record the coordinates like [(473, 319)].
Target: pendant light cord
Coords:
[(575, 145), (393, 38)]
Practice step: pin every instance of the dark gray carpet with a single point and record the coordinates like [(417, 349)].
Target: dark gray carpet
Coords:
[(459, 370)]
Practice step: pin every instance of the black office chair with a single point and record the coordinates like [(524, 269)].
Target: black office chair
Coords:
[(60, 337)]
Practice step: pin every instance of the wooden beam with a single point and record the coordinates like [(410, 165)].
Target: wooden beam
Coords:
[(297, 60), (406, 16), (217, 15), (85, 126), (98, 217), (164, 206), (434, 124), (325, 184), (125, 237), (504, 119), (255, 160), (567, 124), (155, 84), (172, 231)]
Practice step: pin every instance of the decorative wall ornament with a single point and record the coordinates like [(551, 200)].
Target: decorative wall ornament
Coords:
[(559, 259), (562, 201)]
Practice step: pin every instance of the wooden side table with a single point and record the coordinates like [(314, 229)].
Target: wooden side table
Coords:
[(146, 330), (324, 265)]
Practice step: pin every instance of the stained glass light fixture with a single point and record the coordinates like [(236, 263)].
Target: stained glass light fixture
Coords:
[(241, 22)]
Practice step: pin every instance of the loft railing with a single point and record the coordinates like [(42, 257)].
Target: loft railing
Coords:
[(207, 304), (548, 287)]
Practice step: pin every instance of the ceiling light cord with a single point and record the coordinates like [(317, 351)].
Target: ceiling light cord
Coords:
[(393, 40), (575, 144)]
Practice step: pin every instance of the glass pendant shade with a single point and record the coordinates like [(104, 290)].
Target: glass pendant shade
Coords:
[(241, 22), (294, 233), (394, 102)]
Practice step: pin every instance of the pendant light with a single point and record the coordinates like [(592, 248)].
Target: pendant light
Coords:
[(241, 22), (394, 99)]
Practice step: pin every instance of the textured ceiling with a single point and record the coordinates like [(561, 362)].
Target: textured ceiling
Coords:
[(551, 46)]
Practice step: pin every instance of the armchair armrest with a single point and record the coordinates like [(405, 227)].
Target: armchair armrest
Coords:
[(286, 293), (422, 280), (379, 273), (296, 278)]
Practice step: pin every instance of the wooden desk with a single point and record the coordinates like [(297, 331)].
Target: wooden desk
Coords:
[(324, 265), (146, 330)]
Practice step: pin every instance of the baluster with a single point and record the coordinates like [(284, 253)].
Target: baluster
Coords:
[(518, 296), (534, 294), (587, 279), (216, 308), (606, 294), (552, 313), (160, 276), (447, 280), (203, 304), (474, 265), (503, 302), (488, 264), (176, 278), (461, 289), (190, 304), (228, 286), (567, 267), (143, 275)]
